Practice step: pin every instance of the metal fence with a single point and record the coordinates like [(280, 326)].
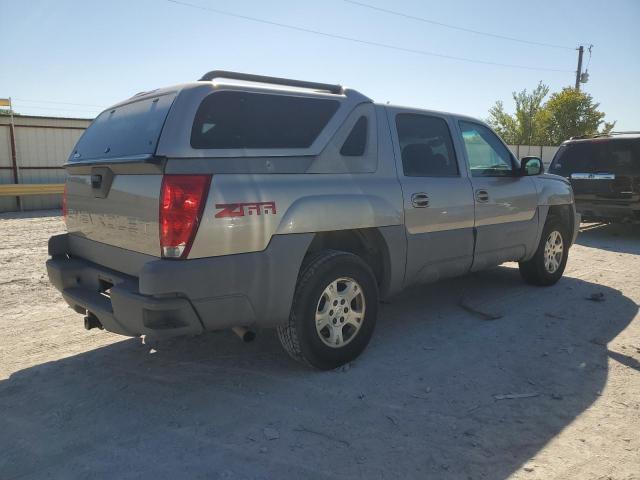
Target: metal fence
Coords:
[(546, 153), (34, 149)]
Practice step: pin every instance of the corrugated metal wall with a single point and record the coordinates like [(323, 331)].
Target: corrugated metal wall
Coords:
[(42, 145), (6, 173)]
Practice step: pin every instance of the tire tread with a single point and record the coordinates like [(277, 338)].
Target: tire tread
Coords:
[(532, 270), (287, 333)]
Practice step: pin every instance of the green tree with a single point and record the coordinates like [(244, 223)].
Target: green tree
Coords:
[(571, 113), (525, 126), (565, 114)]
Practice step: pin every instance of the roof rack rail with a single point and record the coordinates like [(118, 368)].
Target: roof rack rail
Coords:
[(587, 135), (248, 77), (597, 135)]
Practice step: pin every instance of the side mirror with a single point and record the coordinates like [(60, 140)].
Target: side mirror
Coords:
[(531, 166)]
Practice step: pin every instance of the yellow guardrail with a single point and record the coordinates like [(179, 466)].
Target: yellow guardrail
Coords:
[(18, 190)]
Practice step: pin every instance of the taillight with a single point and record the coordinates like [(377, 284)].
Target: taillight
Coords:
[(182, 200), (64, 203)]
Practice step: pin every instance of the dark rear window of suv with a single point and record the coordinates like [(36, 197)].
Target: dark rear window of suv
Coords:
[(621, 156), (127, 130), (233, 119)]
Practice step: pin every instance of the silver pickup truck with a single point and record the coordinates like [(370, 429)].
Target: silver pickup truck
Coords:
[(242, 201)]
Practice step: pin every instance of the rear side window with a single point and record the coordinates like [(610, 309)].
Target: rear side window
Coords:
[(425, 146), (230, 119), (356, 142), (132, 129)]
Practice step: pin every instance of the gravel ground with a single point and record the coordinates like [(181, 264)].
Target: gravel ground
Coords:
[(551, 389)]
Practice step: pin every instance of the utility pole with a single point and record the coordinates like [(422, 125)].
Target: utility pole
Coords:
[(579, 71)]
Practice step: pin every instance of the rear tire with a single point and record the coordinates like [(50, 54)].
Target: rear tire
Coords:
[(548, 263), (334, 311)]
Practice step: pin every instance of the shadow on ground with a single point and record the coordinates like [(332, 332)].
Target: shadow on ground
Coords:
[(420, 403), (614, 237)]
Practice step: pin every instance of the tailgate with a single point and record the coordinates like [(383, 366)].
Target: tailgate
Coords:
[(124, 215), (602, 169)]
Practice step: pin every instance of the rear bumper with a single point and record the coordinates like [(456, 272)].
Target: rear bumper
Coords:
[(166, 298), (123, 310), (605, 211)]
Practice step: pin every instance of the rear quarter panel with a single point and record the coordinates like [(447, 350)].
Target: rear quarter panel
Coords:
[(244, 211)]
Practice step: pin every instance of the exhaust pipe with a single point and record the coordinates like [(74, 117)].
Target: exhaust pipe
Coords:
[(91, 321), (244, 334)]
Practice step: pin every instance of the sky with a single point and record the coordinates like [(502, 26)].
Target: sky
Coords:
[(74, 58)]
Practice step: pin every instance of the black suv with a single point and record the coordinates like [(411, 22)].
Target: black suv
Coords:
[(605, 173)]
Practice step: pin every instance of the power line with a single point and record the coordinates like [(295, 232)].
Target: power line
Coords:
[(455, 27), (360, 41), (589, 60)]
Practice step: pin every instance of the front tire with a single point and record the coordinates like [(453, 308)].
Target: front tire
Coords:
[(334, 311), (548, 263)]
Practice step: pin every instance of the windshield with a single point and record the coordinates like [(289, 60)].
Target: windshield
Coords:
[(131, 129)]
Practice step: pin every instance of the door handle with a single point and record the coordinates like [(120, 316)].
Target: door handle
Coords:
[(482, 196), (420, 200)]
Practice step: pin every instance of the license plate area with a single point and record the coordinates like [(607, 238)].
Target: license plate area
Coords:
[(593, 176)]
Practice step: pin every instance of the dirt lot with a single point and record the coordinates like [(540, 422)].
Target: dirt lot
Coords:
[(424, 401)]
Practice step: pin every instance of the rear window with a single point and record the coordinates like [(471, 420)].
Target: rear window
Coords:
[(576, 158), (230, 119), (132, 129), (606, 156), (623, 157)]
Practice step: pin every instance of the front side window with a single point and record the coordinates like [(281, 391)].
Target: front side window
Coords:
[(234, 119), (488, 157), (425, 146)]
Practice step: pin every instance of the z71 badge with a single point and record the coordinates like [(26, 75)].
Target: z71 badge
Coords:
[(231, 210)]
